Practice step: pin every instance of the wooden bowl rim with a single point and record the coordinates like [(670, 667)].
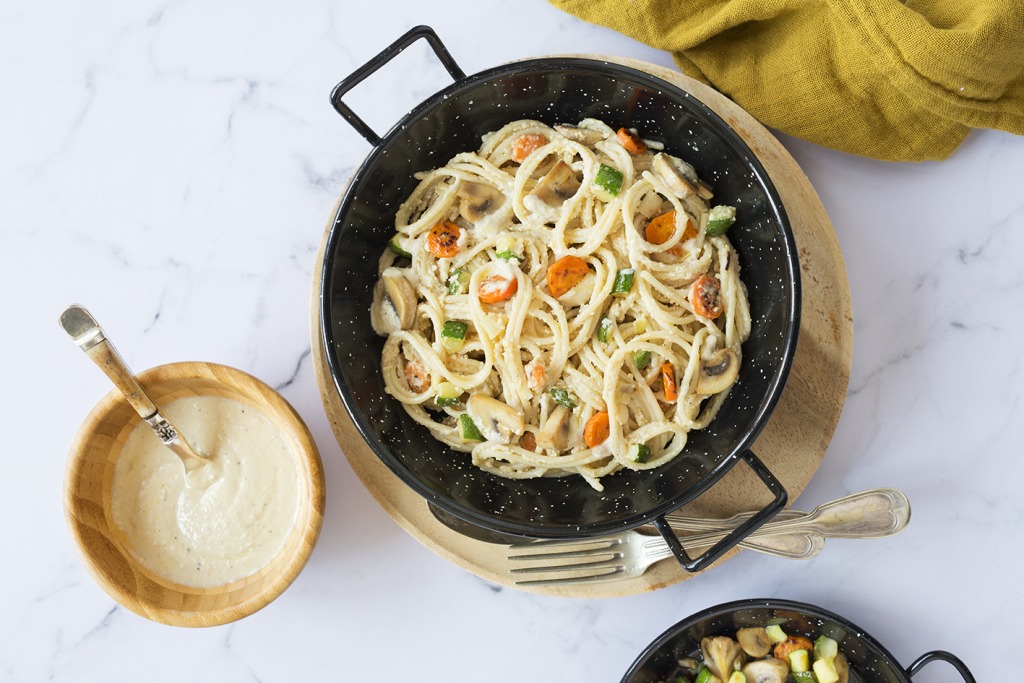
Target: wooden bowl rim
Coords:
[(311, 469)]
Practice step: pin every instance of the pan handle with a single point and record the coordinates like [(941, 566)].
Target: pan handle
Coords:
[(737, 534), (944, 656), (385, 56)]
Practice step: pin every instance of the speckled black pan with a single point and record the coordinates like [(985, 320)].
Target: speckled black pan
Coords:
[(453, 121), (869, 661)]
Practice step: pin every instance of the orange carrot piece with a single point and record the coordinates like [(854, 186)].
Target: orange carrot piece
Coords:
[(792, 644), (597, 429), (566, 273), (528, 441), (443, 240), (631, 142), (497, 288), (526, 144), (662, 227), (536, 376), (668, 382), (416, 376), (706, 296)]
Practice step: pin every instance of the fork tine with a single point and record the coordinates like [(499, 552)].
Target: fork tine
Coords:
[(567, 580), (611, 550), (562, 542), (599, 563)]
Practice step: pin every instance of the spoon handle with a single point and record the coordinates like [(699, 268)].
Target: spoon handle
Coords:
[(868, 514), (88, 335)]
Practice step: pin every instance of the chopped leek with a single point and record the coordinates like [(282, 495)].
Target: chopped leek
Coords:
[(453, 335), (825, 648), (705, 676), (776, 633), (607, 183), (639, 452), (447, 394), (562, 398), (800, 660), (825, 671)]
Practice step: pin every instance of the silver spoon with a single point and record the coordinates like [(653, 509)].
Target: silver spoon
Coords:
[(87, 333)]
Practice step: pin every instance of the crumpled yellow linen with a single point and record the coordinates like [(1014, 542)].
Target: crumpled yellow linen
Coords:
[(900, 81)]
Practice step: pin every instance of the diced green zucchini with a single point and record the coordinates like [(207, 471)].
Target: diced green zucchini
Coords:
[(453, 335), (447, 394), (607, 183), (623, 282), (562, 398), (642, 360), (467, 430), (705, 676), (804, 676), (776, 633), (800, 660), (720, 219), (639, 452), (640, 325), (457, 281), (737, 677), (825, 671), (395, 246), (604, 330), (825, 648)]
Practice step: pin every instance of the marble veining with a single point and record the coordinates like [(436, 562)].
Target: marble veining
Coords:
[(173, 165)]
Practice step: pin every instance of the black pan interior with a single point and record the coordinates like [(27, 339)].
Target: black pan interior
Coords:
[(453, 121), (869, 661)]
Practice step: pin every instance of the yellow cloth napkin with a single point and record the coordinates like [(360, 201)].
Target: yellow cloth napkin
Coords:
[(901, 81)]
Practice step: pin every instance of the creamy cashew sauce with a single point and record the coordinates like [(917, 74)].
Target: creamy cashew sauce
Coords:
[(217, 523)]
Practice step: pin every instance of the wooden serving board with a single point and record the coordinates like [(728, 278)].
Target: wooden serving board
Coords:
[(793, 443)]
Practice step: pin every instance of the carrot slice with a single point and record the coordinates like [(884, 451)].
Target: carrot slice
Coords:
[(528, 441), (497, 288), (416, 376), (536, 375), (526, 144), (443, 240), (597, 429), (661, 228), (706, 296), (668, 382), (566, 273), (631, 142)]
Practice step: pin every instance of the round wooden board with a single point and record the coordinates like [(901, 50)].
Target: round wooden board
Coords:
[(793, 443)]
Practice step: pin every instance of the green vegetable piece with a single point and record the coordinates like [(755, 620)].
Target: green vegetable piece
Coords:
[(800, 660), (394, 246), (607, 183), (705, 676), (680, 679), (604, 330), (561, 397), (455, 329), (825, 671), (803, 676), (825, 648), (737, 677), (642, 360), (720, 219), (623, 282), (457, 281), (639, 452), (776, 633), (468, 430), (447, 394), (508, 255)]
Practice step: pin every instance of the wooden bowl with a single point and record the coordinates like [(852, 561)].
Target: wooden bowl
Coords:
[(87, 496)]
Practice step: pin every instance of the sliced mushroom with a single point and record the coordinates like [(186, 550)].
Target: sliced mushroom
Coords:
[(754, 641), (555, 432), (559, 184), (394, 303), (718, 372), (842, 668), (766, 671), (497, 421), (586, 136), (478, 200), (722, 655), (678, 176), (704, 190)]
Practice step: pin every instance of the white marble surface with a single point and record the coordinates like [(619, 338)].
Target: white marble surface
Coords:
[(172, 165)]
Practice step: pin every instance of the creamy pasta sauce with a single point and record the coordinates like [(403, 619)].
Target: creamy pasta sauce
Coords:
[(220, 522)]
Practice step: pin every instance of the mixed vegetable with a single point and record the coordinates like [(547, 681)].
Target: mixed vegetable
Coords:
[(764, 655)]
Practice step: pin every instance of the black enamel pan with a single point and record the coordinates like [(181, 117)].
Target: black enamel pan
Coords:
[(869, 661), (557, 90)]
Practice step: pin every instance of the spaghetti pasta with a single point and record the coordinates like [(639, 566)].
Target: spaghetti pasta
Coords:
[(562, 301)]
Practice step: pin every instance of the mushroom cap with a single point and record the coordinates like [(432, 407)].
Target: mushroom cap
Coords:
[(478, 200), (394, 303), (679, 177), (496, 420), (722, 655), (754, 641), (557, 185), (718, 372), (769, 670), (555, 432)]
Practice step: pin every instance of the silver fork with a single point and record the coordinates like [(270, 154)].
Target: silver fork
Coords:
[(796, 535)]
